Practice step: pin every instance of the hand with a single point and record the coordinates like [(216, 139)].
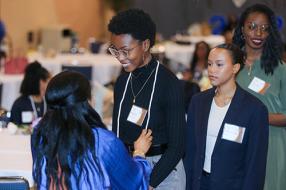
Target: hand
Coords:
[(144, 141), (151, 188)]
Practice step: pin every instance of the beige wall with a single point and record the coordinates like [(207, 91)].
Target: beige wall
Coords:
[(86, 17)]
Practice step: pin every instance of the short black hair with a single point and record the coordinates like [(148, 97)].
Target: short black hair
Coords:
[(34, 72), (135, 22), (237, 55)]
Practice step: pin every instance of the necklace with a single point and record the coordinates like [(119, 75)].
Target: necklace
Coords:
[(35, 109), (249, 70), (223, 100), (135, 95)]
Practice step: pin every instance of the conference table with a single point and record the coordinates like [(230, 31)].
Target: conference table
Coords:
[(181, 50), (105, 68), (15, 155)]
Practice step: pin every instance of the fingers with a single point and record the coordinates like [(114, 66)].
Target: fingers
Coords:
[(147, 134)]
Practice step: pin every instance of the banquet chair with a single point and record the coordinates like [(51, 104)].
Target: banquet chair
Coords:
[(13, 183), (86, 70), (1, 86)]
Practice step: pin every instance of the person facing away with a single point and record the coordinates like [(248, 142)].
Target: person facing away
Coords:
[(147, 95), (72, 149), (264, 76), (227, 130), (31, 105)]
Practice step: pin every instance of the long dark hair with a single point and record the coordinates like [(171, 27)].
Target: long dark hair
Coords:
[(34, 72), (64, 137), (195, 58), (273, 47)]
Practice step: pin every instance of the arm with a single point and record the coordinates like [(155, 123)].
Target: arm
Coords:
[(125, 172), (256, 155), (16, 113), (190, 142), (279, 119), (175, 128)]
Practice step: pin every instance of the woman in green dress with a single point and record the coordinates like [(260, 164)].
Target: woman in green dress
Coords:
[(264, 75)]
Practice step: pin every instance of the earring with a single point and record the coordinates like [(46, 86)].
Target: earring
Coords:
[(242, 37)]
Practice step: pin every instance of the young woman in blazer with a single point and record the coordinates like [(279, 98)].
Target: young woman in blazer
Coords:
[(227, 133)]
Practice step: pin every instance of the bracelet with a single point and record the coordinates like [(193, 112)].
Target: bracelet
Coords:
[(138, 153)]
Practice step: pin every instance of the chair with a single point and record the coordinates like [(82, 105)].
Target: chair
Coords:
[(1, 86), (14, 183), (86, 70)]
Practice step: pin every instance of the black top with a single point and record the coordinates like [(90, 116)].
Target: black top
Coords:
[(22, 104), (167, 117)]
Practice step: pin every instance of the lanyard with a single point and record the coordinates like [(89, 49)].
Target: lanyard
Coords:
[(150, 103), (34, 106)]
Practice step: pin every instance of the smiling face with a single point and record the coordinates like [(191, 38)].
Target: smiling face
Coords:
[(130, 52), (221, 69), (256, 30)]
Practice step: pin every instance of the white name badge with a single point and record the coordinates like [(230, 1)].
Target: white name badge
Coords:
[(233, 133), (27, 116), (258, 85), (137, 115)]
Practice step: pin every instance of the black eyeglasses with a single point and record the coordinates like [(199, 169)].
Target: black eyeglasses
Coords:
[(124, 52)]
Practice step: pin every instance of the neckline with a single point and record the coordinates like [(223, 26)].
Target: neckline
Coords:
[(145, 70)]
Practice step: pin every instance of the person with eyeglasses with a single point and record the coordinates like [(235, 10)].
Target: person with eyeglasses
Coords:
[(148, 96), (265, 77)]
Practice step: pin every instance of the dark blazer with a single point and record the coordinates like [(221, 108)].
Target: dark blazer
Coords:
[(234, 166)]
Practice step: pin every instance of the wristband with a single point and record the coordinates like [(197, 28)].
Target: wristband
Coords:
[(138, 153)]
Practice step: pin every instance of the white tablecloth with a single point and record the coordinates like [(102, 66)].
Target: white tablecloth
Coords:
[(10, 89), (15, 156), (212, 40), (183, 54), (105, 68)]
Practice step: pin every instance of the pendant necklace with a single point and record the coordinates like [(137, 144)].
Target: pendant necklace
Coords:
[(224, 100), (249, 70), (135, 95)]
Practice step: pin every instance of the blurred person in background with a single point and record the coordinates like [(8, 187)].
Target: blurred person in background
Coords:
[(199, 64), (72, 149), (31, 105), (264, 75)]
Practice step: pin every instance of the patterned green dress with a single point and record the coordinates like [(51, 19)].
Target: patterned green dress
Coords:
[(275, 100)]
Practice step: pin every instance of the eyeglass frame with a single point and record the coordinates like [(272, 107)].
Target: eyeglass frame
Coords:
[(124, 52), (252, 26)]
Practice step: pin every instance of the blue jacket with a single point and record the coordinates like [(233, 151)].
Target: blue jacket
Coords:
[(234, 166)]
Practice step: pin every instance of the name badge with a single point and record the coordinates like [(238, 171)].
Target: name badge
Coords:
[(137, 115), (233, 133), (258, 85), (27, 116)]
